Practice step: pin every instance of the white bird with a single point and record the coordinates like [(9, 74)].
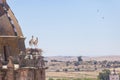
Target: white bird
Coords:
[(35, 42), (31, 41)]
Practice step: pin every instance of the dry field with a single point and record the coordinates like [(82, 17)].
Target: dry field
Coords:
[(70, 75)]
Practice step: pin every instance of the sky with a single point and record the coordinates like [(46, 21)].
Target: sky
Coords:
[(71, 27)]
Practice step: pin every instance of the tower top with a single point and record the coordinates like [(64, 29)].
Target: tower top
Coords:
[(2, 1)]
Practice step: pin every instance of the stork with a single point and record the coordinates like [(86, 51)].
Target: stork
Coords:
[(31, 41), (35, 42)]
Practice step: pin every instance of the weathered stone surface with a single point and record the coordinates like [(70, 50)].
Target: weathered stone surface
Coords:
[(10, 70), (33, 69), (13, 51), (11, 37)]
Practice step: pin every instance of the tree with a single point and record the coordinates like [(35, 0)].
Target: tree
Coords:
[(76, 63), (79, 58), (64, 79), (104, 75), (58, 79), (51, 79), (65, 70), (95, 63), (77, 79)]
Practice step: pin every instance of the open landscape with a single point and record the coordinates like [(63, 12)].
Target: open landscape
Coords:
[(83, 75), (85, 58), (61, 68), (72, 75)]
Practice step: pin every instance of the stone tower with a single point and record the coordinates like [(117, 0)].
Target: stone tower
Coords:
[(17, 62), (11, 37)]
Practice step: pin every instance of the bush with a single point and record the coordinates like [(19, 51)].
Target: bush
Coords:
[(64, 79), (58, 79), (104, 75), (51, 79), (88, 79), (78, 79)]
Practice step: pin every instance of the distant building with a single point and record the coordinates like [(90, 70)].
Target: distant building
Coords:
[(114, 76)]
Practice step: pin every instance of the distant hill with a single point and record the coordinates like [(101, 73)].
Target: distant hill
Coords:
[(102, 58), (61, 58), (85, 58)]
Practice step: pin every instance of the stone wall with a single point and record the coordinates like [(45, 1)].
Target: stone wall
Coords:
[(31, 67)]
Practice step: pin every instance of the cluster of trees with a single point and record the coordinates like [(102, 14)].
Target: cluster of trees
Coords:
[(104, 75)]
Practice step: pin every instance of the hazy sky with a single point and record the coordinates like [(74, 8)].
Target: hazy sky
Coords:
[(71, 27)]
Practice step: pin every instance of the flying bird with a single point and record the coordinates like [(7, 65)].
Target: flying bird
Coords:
[(97, 10), (102, 17)]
